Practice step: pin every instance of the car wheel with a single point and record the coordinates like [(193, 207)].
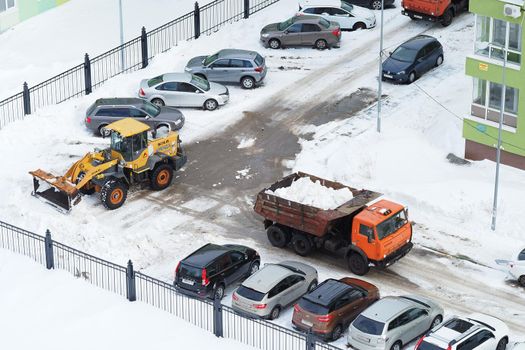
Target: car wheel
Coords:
[(277, 236), (161, 177), (254, 267), (439, 61), (102, 130), (502, 344), (437, 321), (312, 286), (274, 44), (321, 44), (337, 332), (210, 105), (218, 293), (301, 244), (357, 264), (359, 25), (411, 77), (158, 102), (276, 311), (376, 5), (521, 281), (396, 346), (447, 18), (247, 83)]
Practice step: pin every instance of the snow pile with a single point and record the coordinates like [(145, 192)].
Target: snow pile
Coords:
[(306, 191), (246, 142)]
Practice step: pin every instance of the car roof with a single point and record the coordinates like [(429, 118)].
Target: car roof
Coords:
[(317, 3), (267, 277), (205, 255), (418, 41), (237, 53), (178, 77), (119, 101), (328, 291), (307, 18), (387, 308)]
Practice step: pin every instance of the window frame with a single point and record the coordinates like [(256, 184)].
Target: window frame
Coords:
[(491, 48), (7, 8), (486, 91)]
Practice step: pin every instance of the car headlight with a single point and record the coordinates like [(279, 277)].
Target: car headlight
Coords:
[(186, 69), (265, 35), (402, 72)]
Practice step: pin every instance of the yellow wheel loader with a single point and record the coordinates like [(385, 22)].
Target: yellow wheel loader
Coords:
[(135, 156)]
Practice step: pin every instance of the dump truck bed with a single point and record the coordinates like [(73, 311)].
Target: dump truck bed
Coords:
[(306, 218)]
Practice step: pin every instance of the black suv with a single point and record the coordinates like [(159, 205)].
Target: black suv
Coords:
[(206, 272)]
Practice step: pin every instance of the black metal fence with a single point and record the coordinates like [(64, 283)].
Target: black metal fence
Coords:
[(131, 56), (135, 286)]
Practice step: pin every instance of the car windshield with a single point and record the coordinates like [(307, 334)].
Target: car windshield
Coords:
[(190, 271), (429, 346), (286, 24), (312, 307), (151, 109), (208, 60), (199, 82), (347, 7), (155, 81), (368, 326), (249, 293), (324, 23), (404, 54), (392, 224), (259, 60)]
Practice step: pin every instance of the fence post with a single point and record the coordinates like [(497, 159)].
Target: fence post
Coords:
[(27, 99), (197, 20), (131, 290), (246, 8), (217, 318), (48, 248), (310, 340), (144, 46), (87, 75)]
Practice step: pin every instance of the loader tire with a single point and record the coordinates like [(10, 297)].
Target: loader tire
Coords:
[(161, 177), (113, 194)]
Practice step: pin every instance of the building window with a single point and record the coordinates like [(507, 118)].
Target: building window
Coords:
[(6, 5), (494, 34), (486, 102)]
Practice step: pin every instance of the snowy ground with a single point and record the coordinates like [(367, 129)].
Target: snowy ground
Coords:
[(44, 309), (455, 250)]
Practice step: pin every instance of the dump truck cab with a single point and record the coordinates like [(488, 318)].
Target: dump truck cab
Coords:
[(382, 232)]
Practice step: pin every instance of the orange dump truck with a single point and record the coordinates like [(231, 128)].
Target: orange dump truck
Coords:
[(442, 11), (364, 234)]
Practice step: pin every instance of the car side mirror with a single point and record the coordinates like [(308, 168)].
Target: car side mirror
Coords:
[(197, 91), (147, 117), (389, 53), (370, 239)]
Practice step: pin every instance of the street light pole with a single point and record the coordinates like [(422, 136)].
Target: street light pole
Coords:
[(121, 35), (498, 149), (380, 76)]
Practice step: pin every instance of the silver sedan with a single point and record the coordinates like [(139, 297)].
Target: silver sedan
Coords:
[(393, 322), (266, 293), (183, 90)]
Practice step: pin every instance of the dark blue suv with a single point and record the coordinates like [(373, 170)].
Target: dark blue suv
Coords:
[(412, 59)]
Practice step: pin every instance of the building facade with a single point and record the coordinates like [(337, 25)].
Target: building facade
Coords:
[(13, 12), (499, 32)]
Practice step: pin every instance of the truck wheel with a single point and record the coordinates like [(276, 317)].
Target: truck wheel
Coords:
[(113, 194), (447, 18), (161, 177), (521, 281), (357, 264), (277, 236), (301, 244)]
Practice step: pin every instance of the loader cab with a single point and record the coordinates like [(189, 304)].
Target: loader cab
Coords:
[(129, 138)]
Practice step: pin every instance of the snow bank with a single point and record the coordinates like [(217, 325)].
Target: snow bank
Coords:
[(306, 191)]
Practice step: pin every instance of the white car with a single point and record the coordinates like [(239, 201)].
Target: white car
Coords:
[(475, 332), (515, 268), (349, 17)]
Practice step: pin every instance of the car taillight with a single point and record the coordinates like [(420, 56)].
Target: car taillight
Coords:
[(326, 318), (336, 32), (299, 13), (205, 280), (419, 342), (141, 92), (177, 269), (259, 306), (297, 308), (88, 120), (259, 69), (235, 297)]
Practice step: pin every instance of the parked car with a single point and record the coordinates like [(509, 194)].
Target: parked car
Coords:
[(348, 16), (270, 290), (475, 332), (329, 309), (515, 268), (108, 110), (412, 59), (230, 66), (183, 90), (208, 271), (393, 322), (305, 30), (372, 4)]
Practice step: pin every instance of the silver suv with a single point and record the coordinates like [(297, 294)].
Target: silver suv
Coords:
[(108, 110), (393, 322), (230, 66)]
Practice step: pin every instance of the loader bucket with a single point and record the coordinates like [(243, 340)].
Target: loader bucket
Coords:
[(56, 190)]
